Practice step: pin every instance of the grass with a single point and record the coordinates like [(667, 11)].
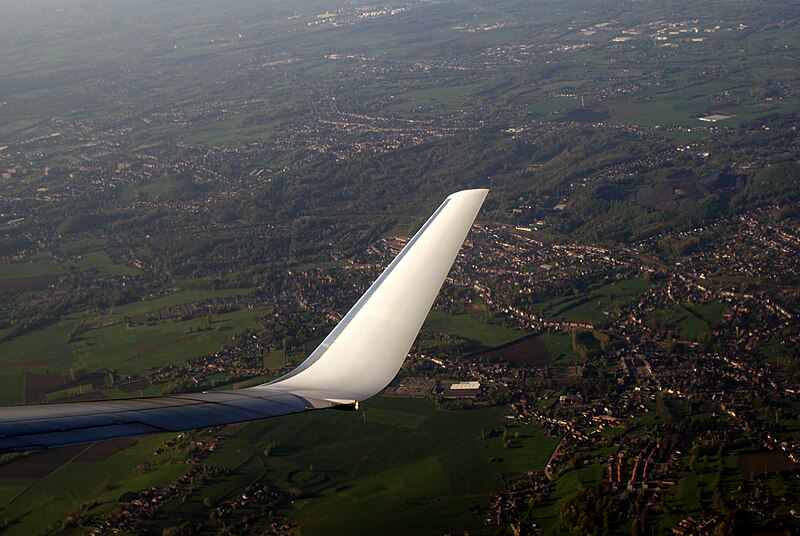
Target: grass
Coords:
[(53, 496), (530, 451), (686, 497), (411, 413), (48, 349), (79, 247), (12, 387), (595, 305), (448, 97), (546, 514), (10, 488), (155, 189), (469, 327), (177, 298), (274, 358), (100, 263), (553, 105), (219, 132), (711, 313), (407, 467), (48, 342), (695, 490), (420, 480), (607, 298), (140, 349), (691, 320), (560, 347), (19, 270), (91, 255)]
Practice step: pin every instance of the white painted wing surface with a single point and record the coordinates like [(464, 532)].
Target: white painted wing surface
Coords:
[(356, 361), (364, 352)]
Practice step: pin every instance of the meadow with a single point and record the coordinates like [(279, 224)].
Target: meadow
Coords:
[(468, 326), (690, 320), (33, 504), (594, 304), (398, 465), (110, 344), (395, 466)]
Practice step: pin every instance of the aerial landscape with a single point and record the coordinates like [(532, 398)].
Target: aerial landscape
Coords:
[(193, 194)]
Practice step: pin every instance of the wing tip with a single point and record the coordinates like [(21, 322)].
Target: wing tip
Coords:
[(478, 193)]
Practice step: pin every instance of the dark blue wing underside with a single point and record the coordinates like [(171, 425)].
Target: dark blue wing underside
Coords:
[(45, 425)]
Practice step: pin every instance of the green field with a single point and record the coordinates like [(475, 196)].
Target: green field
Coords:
[(101, 263), (274, 358), (180, 297), (690, 320), (36, 503), (79, 247), (469, 327), (217, 133), (17, 271), (553, 105), (401, 469), (452, 97), (560, 347), (139, 349), (595, 305), (405, 476), (91, 255), (12, 387), (115, 346), (154, 189), (47, 343), (566, 486), (110, 345)]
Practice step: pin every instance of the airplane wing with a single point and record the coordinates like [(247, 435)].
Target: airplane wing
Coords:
[(356, 360)]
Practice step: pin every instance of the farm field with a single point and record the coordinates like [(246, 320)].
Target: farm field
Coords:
[(99, 261), (468, 327), (559, 345), (529, 351), (22, 271), (594, 304), (91, 255), (53, 351), (763, 463), (397, 459), (547, 513), (19, 277), (44, 487), (690, 320), (139, 349), (409, 471), (179, 297)]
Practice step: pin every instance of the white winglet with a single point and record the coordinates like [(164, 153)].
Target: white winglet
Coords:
[(366, 349), (356, 361)]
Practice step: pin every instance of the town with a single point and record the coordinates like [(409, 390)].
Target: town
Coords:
[(618, 338)]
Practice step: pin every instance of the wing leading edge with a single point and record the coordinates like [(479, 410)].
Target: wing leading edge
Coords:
[(356, 360)]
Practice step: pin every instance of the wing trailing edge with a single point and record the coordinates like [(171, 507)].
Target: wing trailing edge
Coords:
[(356, 360)]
